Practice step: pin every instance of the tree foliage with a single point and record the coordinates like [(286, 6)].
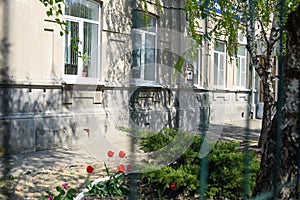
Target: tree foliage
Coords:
[(229, 16), (260, 22), (55, 10)]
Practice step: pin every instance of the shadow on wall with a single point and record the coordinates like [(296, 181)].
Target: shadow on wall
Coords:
[(31, 120), (4, 47), (153, 108), (116, 42), (28, 115)]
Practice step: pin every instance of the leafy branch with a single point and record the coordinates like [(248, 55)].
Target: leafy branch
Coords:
[(55, 10)]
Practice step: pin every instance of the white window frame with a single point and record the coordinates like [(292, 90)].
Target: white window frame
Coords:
[(220, 53), (143, 32), (78, 79), (198, 69), (239, 73)]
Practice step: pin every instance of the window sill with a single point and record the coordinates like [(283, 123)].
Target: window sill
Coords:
[(146, 84), (242, 89), (231, 89), (197, 86), (219, 88), (83, 81)]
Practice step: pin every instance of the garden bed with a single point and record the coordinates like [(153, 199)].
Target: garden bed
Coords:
[(225, 169)]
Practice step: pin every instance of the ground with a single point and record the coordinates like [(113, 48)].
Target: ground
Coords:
[(28, 175), (32, 185)]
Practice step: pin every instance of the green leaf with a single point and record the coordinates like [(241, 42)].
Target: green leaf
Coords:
[(45, 198), (49, 13), (59, 188), (49, 193), (71, 193), (106, 170)]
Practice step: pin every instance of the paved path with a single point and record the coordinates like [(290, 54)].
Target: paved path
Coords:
[(237, 130), (94, 150)]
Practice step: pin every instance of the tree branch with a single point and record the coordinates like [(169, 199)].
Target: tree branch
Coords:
[(263, 31)]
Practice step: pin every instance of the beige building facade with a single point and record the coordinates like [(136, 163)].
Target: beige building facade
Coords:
[(120, 74)]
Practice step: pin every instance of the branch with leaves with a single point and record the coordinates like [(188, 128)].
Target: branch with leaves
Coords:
[(55, 10)]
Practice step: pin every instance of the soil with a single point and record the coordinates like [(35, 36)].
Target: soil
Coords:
[(32, 185)]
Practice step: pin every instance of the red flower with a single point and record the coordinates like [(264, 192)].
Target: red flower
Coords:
[(129, 168), (110, 153), (50, 197), (121, 168), (89, 169), (65, 186), (122, 154), (172, 185)]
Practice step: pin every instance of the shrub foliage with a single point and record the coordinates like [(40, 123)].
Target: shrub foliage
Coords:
[(226, 168)]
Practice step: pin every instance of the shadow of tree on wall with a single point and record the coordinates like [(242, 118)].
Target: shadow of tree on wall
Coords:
[(4, 47), (153, 108), (30, 117)]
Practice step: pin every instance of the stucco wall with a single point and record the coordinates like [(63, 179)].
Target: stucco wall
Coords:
[(42, 111), (36, 49)]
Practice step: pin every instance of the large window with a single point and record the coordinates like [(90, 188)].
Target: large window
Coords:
[(144, 47), (241, 75), (219, 64), (82, 42)]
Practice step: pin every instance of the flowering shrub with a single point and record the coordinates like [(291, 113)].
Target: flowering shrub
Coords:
[(226, 168), (172, 185), (129, 168), (114, 185), (122, 154), (64, 193), (89, 169), (110, 153), (121, 168), (110, 186)]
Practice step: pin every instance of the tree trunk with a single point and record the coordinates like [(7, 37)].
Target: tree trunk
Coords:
[(269, 102), (279, 172), (264, 70), (267, 77)]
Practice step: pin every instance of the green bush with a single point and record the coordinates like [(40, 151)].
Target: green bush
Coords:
[(226, 167), (156, 141), (227, 171)]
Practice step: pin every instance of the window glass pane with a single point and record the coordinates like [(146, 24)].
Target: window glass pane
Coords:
[(82, 8), (136, 55), (222, 70), (216, 63), (219, 46), (196, 66), (243, 79), (243, 64), (90, 49), (243, 72), (222, 62), (149, 57), (139, 22), (71, 55), (238, 71), (221, 78), (241, 51), (151, 24)]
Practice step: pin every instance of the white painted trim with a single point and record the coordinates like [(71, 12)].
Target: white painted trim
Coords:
[(218, 86), (78, 79)]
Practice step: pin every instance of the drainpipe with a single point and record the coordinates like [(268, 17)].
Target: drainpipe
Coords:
[(206, 52), (253, 106), (252, 25)]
